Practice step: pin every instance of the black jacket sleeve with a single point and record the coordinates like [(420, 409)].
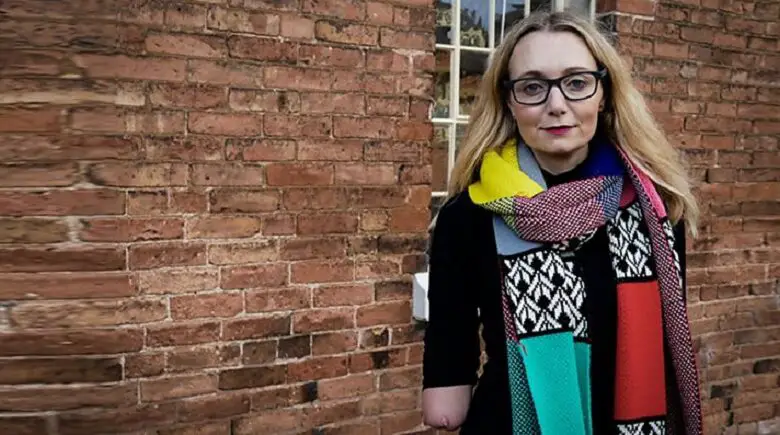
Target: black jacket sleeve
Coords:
[(451, 354)]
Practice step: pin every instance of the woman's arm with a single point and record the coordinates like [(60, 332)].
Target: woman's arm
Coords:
[(446, 407), (451, 357)]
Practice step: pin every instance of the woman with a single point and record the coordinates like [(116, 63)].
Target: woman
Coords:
[(563, 238)]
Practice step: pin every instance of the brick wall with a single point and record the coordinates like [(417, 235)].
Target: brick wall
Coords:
[(710, 70), (209, 211)]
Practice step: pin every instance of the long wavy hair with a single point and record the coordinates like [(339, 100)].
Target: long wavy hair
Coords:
[(626, 120)]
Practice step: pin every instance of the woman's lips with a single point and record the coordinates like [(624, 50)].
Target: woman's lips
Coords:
[(558, 131)]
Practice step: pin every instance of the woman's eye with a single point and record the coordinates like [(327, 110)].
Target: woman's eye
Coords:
[(532, 88), (577, 84)]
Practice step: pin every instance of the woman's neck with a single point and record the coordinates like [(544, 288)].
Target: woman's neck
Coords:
[(560, 163)]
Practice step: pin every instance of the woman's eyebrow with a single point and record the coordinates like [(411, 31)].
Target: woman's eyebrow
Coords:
[(569, 70)]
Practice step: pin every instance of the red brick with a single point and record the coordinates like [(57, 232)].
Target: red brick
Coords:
[(206, 305), (75, 259), (187, 96), (240, 253), (271, 422), (32, 231), (384, 313), (144, 364), (266, 275), (300, 79), (185, 16), (174, 281), (365, 174), (252, 377), (323, 320), (38, 174), (334, 342), (243, 201), (147, 68), (130, 230), (19, 148), (225, 124), (353, 10), (317, 368), (329, 56), (209, 408), (256, 327), (149, 256), (264, 101), (348, 295), (374, 220), (377, 360), (327, 223), (235, 20), (379, 13), (350, 104), (297, 174), (314, 198), (227, 174), (311, 248), (277, 300), (87, 314), (406, 39), (330, 150), (187, 45), (346, 33), (322, 271), (24, 425), (387, 61), (264, 150), (225, 73), (670, 50), (54, 371), (347, 387), (178, 334), (214, 227), (297, 27), (278, 225), (30, 120), (133, 418), (65, 398), (187, 359), (177, 387), (263, 49), (295, 125)]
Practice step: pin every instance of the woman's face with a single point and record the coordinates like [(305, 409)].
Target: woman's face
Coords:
[(556, 128)]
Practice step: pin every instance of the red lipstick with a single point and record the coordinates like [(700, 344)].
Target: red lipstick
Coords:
[(558, 131)]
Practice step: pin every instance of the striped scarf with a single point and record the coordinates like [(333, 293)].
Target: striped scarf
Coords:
[(543, 294)]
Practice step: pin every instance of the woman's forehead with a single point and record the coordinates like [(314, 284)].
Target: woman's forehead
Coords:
[(550, 54)]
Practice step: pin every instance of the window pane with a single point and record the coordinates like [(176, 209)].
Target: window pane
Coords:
[(515, 11), (442, 84), (460, 136), (580, 7), (541, 5), (474, 22), (472, 66), (439, 157), (443, 21)]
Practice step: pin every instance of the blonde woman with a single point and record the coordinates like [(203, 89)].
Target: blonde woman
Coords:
[(563, 238)]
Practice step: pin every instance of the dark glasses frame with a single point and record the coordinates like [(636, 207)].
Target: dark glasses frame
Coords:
[(600, 75)]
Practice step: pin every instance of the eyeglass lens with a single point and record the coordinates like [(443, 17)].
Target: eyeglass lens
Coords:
[(573, 87)]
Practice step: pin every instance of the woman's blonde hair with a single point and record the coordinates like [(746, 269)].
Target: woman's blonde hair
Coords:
[(626, 119)]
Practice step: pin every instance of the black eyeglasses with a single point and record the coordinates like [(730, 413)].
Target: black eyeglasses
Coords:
[(574, 87)]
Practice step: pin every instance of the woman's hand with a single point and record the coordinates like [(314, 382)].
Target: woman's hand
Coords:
[(446, 407)]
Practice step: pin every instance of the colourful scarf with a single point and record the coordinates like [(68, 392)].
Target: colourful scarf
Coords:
[(548, 347)]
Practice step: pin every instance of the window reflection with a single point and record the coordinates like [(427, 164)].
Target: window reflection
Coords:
[(515, 11), (474, 22), (443, 21), (472, 66), (439, 151), (442, 90)]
